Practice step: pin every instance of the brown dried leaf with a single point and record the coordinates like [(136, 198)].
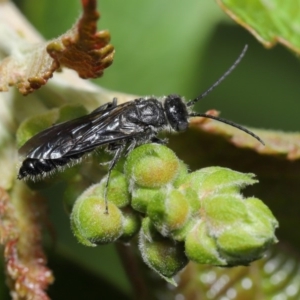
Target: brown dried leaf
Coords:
[(82, 49), (277, 143), (21, 216), (29, 71)]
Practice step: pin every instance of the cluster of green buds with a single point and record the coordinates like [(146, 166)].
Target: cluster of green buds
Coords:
[(180, 216)]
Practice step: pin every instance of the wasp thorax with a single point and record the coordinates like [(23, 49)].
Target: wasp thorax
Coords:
[(176, 112)]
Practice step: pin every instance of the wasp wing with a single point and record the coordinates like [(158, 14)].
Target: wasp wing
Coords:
[(79, 135)]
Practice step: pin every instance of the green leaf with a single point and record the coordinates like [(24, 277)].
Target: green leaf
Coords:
[(271, 22)]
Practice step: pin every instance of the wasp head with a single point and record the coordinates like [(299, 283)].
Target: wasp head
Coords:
[(176, 112)]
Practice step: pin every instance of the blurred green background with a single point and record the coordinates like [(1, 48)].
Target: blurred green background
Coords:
[(164, 47)]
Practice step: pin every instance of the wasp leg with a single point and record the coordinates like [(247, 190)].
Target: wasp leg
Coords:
[(118, 149), (130, 147)]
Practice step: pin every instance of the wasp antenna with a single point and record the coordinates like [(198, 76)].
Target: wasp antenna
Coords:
[(192, 102), (229, 123)]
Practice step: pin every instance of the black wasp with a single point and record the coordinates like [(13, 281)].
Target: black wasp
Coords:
[(119, 127)]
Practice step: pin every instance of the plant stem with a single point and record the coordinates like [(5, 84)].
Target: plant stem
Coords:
[(133, 271)]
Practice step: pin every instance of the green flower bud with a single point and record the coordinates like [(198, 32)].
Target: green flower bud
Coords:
[(169, 213), (193, 200), (264, 217), (131, 224), (239, 247), (233, 231), (91, 225), (151, 166), (216, 180), (201, 248), (223, 210), (149, 231), (181, 233), (141, 197), (163, 255), (117, 191), (249, 241), (182, 173)]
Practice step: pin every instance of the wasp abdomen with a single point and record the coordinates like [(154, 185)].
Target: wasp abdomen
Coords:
[(33, 167)]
